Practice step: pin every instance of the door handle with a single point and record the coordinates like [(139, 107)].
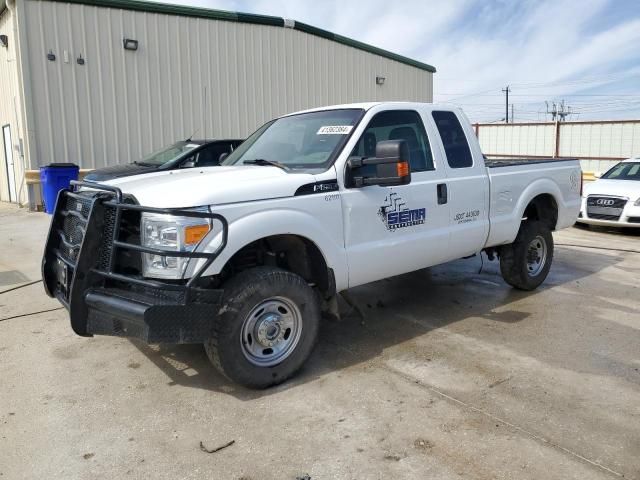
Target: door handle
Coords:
[(442, 193)]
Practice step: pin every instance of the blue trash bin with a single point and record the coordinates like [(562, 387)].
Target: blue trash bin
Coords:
[(55, 177)]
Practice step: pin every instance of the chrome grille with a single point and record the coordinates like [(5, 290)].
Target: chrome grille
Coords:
[(605, 208)]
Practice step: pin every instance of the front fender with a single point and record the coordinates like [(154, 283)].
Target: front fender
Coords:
[(279, 221)]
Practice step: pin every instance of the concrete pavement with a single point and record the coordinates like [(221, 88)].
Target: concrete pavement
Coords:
[(450, 374)]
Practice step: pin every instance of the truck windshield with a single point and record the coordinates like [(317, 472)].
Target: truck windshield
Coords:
[(167, 154), (624, 171), (306, 140)]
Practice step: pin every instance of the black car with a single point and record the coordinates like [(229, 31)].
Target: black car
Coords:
[(183, 154)]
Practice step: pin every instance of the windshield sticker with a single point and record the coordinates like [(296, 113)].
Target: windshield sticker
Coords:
[(334, 130), (395, 214)]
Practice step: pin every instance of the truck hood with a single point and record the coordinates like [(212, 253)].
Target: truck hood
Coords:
[(195, 187), (617, 188)]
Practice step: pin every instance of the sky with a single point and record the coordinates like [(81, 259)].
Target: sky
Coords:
[(583, 52)]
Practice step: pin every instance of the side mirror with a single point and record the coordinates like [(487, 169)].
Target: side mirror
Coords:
[(597, 174), (222, 157), (188, 164), (391, 166)]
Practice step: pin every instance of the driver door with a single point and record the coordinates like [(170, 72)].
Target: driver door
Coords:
[(394, 230)]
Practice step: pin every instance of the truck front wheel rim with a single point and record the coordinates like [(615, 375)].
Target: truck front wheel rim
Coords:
[(271, 331), (536, 256)]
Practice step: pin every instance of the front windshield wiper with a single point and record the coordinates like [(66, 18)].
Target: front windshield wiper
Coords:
[(144, 164), (262, 162)]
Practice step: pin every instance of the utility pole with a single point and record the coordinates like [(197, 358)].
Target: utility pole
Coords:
[(506, 90)]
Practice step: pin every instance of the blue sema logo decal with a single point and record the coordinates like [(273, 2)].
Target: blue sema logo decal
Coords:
[(395, 214)]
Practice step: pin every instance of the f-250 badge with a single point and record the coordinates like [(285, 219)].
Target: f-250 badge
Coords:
[(395, 214)]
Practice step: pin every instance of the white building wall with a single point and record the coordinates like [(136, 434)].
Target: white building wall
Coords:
[(10, 108), (189, 75)]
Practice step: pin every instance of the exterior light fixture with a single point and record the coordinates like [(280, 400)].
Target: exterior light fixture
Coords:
[(130, 44), (80, 60), (380, 80), (51, 56), (4, 41)]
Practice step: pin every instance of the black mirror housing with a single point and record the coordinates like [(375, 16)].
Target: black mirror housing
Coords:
[(391, 162)]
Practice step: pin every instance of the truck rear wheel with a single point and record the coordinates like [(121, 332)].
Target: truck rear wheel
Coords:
[(267, 327), (526, 262)]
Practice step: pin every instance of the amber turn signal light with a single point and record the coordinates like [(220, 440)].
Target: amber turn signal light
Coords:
[(195, 233), (403, 169)]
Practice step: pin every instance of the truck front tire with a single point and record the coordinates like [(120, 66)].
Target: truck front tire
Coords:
[(526, 262), (267, 327)]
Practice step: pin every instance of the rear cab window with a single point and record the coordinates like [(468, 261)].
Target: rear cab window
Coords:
[(455, 143)]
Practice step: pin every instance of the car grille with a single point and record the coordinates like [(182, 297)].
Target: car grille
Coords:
[(605, 208)]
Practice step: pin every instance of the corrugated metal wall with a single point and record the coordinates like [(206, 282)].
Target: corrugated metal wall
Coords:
[(211, 77), (599, 144), (10, 110)]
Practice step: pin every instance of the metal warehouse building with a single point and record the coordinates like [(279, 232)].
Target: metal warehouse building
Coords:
[(100, 82)]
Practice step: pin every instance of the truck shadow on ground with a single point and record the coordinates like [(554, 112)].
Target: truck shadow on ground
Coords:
[(392, 311)]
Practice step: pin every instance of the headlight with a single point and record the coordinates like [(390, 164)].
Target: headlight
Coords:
[(637, 204), (171, 233)]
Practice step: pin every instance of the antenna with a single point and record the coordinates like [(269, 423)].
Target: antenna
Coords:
[(191, 136)]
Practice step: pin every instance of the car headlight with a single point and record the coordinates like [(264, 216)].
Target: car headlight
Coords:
[(637, 204), (171, 233)]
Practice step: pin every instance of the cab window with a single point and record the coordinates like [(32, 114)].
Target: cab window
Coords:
[(454, 141), (210, 155), (397, 125)]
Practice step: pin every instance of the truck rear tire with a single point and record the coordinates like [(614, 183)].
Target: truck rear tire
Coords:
[(267, 327), (526, 262)]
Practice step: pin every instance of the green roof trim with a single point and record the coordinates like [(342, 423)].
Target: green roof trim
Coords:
[(185, 11), (182, 10), (303, 27)]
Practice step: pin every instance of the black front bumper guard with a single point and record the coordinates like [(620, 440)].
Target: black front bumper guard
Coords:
[(105, 302)]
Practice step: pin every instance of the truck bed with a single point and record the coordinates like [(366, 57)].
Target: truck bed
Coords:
[(513, 182)]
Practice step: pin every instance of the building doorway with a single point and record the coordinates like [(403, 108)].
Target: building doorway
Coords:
[(9, 163)]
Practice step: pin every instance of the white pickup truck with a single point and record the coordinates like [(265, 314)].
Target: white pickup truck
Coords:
[(248, 256)]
